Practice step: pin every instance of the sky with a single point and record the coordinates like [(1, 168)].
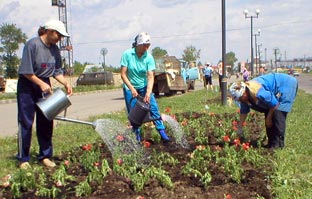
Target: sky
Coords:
[(173, 26)]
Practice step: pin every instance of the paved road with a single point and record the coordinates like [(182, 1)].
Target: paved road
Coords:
[(85, 105)]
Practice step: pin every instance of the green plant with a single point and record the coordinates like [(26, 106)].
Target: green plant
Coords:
[(83, 189)]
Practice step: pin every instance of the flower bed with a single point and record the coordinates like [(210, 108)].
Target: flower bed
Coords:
[(217, 164)]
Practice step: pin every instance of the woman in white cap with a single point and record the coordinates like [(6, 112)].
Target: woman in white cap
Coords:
[(137, 73), (272, 94), (41, 60)]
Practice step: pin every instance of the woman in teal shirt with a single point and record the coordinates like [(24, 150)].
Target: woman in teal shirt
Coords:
[(137, 73)]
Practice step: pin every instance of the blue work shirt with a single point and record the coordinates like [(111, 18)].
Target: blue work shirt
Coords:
[(137, 68), (275, 88)]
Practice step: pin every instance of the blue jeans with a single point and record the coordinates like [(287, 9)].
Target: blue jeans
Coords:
[(130, 103)]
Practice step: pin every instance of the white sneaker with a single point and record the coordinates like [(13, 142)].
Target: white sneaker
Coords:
[(48, 163), (25, 165)]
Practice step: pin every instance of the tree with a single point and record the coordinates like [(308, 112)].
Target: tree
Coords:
[(230, 59), (10, 39), (157, 52), (190, 54)]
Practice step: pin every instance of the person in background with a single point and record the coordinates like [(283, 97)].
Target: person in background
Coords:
[(41, 60), (272, 94), (261, 71), (245, 75), (208, 76), (220, 73), (137, 73)]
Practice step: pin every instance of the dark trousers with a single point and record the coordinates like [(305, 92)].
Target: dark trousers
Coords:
[(276, 134), (28, 94)]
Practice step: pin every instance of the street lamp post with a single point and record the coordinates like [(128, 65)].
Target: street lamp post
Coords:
[(256, 45), (259, 54), (104, 52), (251, 35)]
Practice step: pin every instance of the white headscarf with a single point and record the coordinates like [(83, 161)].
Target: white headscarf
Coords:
[(237, 90)]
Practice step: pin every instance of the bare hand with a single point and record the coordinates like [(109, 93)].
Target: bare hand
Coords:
[(268, 122), (147, 98), (45, 88)]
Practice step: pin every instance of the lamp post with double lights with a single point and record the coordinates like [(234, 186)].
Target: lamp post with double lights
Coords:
[(251, 35), (259, 56), (256, 46)]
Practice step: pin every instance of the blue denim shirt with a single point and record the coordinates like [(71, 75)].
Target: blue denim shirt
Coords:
[(276, 88)]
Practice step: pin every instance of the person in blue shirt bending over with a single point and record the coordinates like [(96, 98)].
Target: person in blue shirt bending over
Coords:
[(137, 73), (272, 94)]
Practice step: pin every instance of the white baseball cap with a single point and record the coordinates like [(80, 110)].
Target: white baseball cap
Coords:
[(58, 26), (237, 90), (143, 38)]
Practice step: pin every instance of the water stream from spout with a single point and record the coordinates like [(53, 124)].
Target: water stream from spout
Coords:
[(119, 139), (178, 133)]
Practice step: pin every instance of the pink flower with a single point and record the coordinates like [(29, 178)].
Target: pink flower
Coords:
[(228, 196), (66, 163), (120, 138), (58, 183), (119, 161)]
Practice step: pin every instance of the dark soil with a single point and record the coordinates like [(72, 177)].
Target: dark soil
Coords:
[(254, 184)]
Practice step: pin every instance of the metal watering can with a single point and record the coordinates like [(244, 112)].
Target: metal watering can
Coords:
[(140, 113), (56, 102)]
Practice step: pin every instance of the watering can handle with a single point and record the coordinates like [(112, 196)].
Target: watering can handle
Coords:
[(139, 97), (45, 95)]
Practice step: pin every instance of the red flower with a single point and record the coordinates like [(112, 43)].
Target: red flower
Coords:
[(244, 123), (184, 122), (120, 138), (87, 147), (226, 138), (234, 128), (217, 148), (167, 110), (96, 164), (236, 142), (119, 161), (234, 123), (211, 114), (146, 144), (246, 146)]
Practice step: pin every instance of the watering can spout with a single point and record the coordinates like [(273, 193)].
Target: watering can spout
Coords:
[(93, 124)]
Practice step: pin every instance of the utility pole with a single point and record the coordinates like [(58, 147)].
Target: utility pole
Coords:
[(276, 50), (224, 78), (65, 44)]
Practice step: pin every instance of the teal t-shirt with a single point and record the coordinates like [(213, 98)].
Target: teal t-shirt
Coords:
[(137, 68)]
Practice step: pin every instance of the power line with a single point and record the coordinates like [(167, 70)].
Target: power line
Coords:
[(198, 34)]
